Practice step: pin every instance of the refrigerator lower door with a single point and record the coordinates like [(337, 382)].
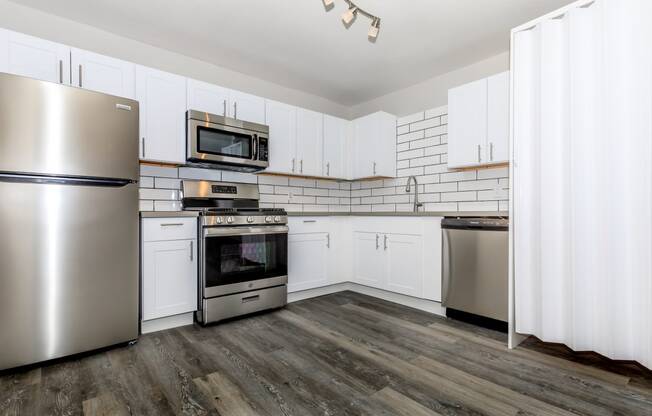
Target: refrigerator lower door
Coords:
[(68, 269)]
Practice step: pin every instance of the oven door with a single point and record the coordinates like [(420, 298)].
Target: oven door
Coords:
[(222, 144), (238, 259)]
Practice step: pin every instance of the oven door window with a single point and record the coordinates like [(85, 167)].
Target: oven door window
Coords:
[(224, 143), (242, 258)]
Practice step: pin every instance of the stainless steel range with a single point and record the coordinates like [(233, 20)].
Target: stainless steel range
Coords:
[(242, 250)]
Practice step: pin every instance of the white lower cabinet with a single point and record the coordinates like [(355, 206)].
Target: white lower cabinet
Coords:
[(169, 267), (309, 253), (396, 254)]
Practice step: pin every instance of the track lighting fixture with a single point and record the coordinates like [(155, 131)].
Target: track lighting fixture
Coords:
[(350, 14)]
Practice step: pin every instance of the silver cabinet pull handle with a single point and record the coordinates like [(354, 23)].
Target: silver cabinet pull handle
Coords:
[(377, 245), (491, 151), (176, 224), (328, 240), (224, 113), (235, 110), (60, 71), (479, 150), (143, 146), (328, 169), (293, 160), (192, 249), (309, 221), (385, 242), (301, 164), (374, 168), (80, 76)]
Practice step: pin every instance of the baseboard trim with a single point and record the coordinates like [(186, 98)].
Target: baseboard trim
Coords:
[(416, 303), (154, 325)]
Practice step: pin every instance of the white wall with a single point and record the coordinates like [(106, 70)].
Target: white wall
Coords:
[(36, 23), (433, 92)]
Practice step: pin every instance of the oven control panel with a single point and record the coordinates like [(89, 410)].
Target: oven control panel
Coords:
[(218, 220)]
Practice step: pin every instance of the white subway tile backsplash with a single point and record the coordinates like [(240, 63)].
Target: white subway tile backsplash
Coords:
[(412, 118), (151, 170), (239, 177), (167, 183), (421, 151), (201, 174)]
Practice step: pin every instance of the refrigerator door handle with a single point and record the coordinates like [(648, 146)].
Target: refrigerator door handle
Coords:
[(63, 180)]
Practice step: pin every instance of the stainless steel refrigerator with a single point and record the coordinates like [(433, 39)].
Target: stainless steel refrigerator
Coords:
[(68, 220)]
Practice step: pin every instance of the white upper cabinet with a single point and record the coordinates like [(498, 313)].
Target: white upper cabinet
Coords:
[(33, 57), (208, 98), (246, 107), (498, 118), (467, 124), (214, 99), (478, 122), (162, 98), (310, 139), (103, 74), (282, 121), (336, 132), (374, 146)]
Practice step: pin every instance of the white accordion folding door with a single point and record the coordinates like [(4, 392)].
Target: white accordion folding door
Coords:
[(582, 178)]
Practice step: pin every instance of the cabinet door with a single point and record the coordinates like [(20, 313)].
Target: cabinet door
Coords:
[(498, 118), (310, 142), (405, 263), (364, 151), (467, 125), (169, 278), (162, 98), (207, 98), (384, 145), (335, 141), (103, 74), (246, 107), (432, 254), (370, 262), (33, 57), (282, 121), (307, 261)]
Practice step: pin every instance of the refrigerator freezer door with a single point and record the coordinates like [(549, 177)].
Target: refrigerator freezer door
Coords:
[(53, 129), (68, 269)]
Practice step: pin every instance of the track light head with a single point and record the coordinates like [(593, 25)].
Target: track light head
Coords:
[(349, 15), (328, 3), (374, 29)]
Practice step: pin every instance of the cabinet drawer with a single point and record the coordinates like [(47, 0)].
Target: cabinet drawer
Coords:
[(162, 229), (300, 225)]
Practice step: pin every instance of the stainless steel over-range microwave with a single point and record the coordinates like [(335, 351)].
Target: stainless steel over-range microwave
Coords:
[(226, 143)]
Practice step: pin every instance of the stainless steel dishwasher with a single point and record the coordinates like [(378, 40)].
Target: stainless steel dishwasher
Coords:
[(474, 266)]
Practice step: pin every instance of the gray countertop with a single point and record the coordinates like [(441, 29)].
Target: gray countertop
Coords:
[(172, 214), (402, 214), (168, 214)]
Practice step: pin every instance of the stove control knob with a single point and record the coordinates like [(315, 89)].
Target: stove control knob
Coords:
[(250, 219), (229, 220), (268, 219), (277, 219), (219, 220)]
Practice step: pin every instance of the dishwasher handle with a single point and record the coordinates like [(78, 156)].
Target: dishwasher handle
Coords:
[(445, 267)]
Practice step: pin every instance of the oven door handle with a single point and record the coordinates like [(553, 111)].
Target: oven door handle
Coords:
[(231, 231)]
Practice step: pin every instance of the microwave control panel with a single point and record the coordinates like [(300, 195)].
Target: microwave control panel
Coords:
[(263, 149)]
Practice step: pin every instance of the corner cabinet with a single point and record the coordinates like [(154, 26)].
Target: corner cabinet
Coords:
[(162, 98), (478, 123), (169, 267), (374, 146), (400, 255)]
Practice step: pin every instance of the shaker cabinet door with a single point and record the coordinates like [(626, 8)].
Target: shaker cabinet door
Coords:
[(33, 57), (101, 73), (307, 261), (169, 278), (282, 121), (467, 125), (310, 142)]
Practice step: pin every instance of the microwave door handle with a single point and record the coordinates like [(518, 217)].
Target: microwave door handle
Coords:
[(254, 144)]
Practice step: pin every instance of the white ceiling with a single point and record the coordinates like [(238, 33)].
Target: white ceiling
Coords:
[(296, 43)]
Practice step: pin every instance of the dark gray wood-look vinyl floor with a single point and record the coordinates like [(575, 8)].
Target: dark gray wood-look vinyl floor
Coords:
[(341, 354)]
